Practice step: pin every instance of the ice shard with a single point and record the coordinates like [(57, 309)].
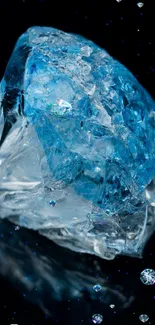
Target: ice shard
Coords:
[(77, 145)]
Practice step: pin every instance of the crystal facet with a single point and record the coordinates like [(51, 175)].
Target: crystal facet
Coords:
[(97, 287), (148, 276), (97, 319), (77, 145), (144, 318)]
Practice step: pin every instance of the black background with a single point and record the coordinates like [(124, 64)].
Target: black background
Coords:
[(128, 34)]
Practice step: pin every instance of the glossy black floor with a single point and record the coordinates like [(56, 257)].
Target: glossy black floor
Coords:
[(41, 283)]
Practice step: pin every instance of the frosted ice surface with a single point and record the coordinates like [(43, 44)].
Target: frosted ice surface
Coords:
[(77, 148)]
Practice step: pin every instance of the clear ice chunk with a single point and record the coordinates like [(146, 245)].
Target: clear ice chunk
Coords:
[(77, 145)]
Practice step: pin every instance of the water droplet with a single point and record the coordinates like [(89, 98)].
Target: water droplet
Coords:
[(140, 4), (118, 0), (52, 203), (148, 276), (97, 318), (17, 228), (97, 287), (112, 306), (144, 318)]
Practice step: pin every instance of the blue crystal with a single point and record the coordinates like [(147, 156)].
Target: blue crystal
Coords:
[(77, 127)]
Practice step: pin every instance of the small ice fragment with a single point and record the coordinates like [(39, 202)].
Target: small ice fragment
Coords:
[(97, 318), (97, 287), (140, 4), (147, 276), (143, 318), (112, 306)]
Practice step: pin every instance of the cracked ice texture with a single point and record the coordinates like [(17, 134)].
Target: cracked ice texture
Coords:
[(77, 155)]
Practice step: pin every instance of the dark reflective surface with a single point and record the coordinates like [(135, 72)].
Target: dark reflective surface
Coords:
[(53, 283)]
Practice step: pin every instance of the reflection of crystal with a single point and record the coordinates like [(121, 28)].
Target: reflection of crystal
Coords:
[(97, 319), (144, 318), (77, 147), (97, 287), (140, 4), (112, 306), (148, 276), (118, 0)]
